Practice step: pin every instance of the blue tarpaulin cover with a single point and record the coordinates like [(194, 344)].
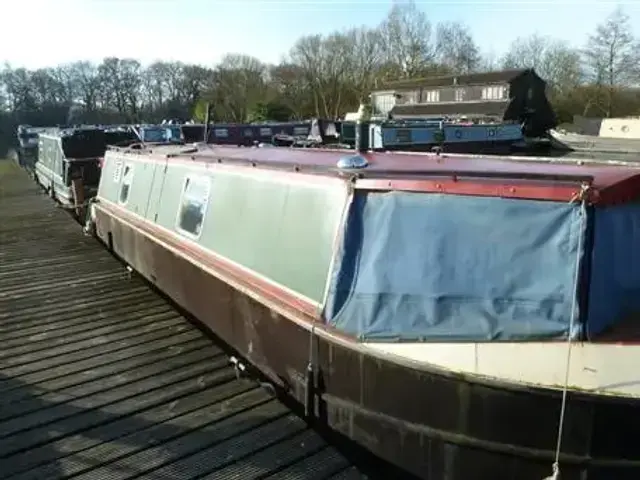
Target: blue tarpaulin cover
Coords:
[(432, 267), (614, 290)]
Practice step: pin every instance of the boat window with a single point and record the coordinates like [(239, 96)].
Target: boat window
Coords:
[(125, 188), (432, 96), (193, 205), (117, 171)]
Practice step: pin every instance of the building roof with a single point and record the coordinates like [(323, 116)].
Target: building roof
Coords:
[(480, 108), (499, 175), (501, 76)]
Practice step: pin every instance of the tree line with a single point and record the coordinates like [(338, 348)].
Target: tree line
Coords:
[(322, 76)]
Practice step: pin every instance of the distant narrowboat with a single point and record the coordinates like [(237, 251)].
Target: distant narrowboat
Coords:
[(27, 152), (120, 135), (249, 134), (169, 133), (465, 318), (68, 165)]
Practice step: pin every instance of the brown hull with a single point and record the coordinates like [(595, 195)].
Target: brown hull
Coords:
[(428, 423)]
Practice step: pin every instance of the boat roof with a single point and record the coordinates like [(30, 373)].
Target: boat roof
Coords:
[(610, 183)]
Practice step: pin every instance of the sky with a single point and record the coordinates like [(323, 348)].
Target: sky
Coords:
[(45, 33)]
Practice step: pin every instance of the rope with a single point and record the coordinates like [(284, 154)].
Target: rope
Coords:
[(583, 197), (310, 379)]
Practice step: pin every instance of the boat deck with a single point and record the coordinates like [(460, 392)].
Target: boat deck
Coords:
[(101, 377)]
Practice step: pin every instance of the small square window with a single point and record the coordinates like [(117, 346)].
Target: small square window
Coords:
[(125, 188), (193, 205)]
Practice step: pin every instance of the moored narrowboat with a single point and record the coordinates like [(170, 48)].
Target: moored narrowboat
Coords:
[(68, 165), (499, 138), (27, 151), (464, 318), (166, 133)]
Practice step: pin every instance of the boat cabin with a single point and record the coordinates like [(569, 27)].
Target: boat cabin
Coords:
[(424, 298), (168, 133), (68, 155), (253, 133), (28, 145), (517, 96), (120, 135)]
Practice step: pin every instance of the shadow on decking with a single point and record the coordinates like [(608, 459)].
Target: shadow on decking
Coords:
[(232, 427)]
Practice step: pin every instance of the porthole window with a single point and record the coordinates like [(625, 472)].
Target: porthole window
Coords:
[(193, 205), (125, 188)]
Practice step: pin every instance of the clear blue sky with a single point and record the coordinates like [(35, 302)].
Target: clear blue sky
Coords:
[(201, 31)]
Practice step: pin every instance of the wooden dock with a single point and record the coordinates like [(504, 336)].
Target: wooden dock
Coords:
[(101, 377)]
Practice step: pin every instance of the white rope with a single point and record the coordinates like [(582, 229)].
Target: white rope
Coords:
[(583, 197)]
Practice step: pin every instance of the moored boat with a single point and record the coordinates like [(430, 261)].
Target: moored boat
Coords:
[(27, 151), (501, 138), (447, 313), (68, 165)]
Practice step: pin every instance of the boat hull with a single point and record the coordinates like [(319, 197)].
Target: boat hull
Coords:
[(436, 425)]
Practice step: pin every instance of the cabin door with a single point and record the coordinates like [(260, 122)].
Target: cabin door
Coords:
[(156, 175)]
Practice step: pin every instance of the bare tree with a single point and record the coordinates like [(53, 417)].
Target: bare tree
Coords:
[(455, 48), (406, 37), (553, 60), (611, 55), (240, 82), (86, 81), (291, 84)]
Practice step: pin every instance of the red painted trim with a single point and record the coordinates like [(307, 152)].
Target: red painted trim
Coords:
[(296, 306), (457, 187)]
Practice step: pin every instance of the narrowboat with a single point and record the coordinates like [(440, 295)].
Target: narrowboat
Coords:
[(248, 134), (120, 135), (453, 137), (576, 142), (193, 132), (169, 133), (68, 165), (27, 151), (462, 317)]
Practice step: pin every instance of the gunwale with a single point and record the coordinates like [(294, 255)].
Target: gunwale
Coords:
[(426, 173)]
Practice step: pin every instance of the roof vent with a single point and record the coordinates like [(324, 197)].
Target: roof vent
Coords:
[(352, 161)]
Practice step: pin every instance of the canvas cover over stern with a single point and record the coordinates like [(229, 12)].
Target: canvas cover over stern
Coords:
[(614, 288), (435, 267)]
